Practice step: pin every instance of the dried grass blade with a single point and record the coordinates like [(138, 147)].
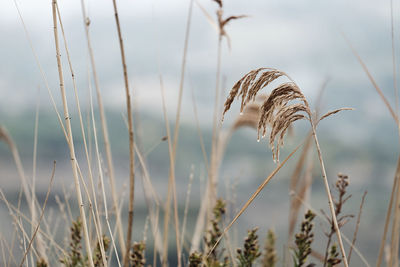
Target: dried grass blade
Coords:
[(332, 112), (255, 194), (373, 81), (208, 16), (225, 21)]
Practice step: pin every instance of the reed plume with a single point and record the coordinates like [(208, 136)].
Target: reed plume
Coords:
[(285, 105), (278, 111)]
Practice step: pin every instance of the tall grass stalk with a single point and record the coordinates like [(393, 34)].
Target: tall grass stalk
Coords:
[(200, 221), (131, 139), (212, 176), (171, 181), (103, 120), (96, 217), (394, 245), (34, 157), (100, 167), (186, 211), (150, 194), (328, 193), (70, 138)]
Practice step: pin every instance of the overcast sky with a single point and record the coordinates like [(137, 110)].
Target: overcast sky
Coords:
[(302, 38)]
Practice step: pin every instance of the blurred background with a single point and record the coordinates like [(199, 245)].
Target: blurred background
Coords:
[(302, 38)]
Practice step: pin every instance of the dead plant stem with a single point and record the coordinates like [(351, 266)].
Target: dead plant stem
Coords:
[(388, 215), (328, 192), (70, 138), (171, 181), (96, 216), (131, 137), (213, 184), (103, 120)]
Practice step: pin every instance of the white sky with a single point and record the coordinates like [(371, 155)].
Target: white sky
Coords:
[(303, 38)]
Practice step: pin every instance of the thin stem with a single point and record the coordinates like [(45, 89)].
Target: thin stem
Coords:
[(396, 93), (131, 136), (394, 246), (104, 128), (213, 179), (96, 216), (328, 192), (388, 215), (70, 138), (171, 182)]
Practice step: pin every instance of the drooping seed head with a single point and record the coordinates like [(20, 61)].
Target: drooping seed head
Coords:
[(277, 111)]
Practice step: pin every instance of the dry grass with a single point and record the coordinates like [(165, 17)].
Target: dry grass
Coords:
[(271, 114), (278, 112)]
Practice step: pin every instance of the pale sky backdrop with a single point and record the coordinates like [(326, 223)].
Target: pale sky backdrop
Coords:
[(302, 38)]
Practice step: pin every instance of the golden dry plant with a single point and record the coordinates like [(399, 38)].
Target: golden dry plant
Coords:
[(285, 105)]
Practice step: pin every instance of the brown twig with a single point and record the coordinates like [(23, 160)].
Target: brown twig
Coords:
[(131, 139)]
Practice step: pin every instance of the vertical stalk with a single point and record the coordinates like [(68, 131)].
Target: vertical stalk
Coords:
[(213, 181), (328, 192), (394, 246), (95, 213), (104, 129), (171, 180), (70, 139), (131, 136), (388, 214)]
